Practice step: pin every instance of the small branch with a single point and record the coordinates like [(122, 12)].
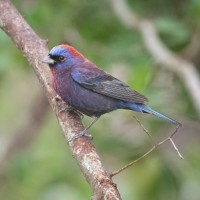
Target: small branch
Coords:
[(152, 139), (133, 162), (150, 151), (175, 147), (35, 49), (161, 54), (145, 130)]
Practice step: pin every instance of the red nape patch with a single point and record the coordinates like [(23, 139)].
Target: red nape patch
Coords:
[(71, 50)]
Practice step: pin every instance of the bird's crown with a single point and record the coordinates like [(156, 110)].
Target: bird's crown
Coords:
[(71, 50), (65, 50)]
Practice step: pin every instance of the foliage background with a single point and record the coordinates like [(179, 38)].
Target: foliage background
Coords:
[(44, 168)]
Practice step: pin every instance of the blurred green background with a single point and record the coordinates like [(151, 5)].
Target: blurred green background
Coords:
[(35, 162)]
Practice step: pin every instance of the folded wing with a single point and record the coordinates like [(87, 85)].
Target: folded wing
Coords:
[(100, 82)]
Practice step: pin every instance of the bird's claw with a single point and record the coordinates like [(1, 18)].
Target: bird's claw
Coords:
[(63, 110), (80, 134), (79, 114)]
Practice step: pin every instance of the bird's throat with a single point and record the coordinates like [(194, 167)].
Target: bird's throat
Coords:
[(53, 72)]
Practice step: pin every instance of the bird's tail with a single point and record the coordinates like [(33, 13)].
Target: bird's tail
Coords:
[(146, 109)]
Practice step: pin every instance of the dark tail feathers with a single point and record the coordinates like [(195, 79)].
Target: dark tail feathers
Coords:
[(147, 109)]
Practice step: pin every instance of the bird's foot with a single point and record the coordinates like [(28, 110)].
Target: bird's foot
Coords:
[(80, 134), (79, 114), (70, 109)]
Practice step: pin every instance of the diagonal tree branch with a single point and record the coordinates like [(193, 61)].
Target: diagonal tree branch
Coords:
[(34, 49), (161, 54)]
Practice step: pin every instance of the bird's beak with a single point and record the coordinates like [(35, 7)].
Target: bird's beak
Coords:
[(48, 60)]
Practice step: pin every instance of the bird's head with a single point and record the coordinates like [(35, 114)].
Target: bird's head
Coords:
[(62, 56)]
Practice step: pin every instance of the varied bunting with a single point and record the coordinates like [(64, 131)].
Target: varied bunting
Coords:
[(90, 90)]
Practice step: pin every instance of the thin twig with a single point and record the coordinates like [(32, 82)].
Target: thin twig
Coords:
[(133, 162), (151, 137), (145, 130), (175, 147), (173, 144), (149, 151)]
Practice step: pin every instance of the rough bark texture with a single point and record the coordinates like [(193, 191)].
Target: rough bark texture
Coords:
[(35, 49)]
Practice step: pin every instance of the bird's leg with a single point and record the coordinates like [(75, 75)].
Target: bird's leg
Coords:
[(71, 109), (84, 132), (94, 119), (78, 113)]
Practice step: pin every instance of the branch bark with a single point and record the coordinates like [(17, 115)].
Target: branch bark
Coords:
[(34, 49), (161, 54)]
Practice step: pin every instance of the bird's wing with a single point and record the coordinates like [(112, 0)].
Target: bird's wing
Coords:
[(105, 84)]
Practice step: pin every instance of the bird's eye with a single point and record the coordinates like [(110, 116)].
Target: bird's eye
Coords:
[(61, 58)]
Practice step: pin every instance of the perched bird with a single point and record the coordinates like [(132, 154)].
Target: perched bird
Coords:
[(90, 90)]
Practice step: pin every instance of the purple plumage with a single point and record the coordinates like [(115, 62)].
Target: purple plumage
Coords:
[(90, 90)]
